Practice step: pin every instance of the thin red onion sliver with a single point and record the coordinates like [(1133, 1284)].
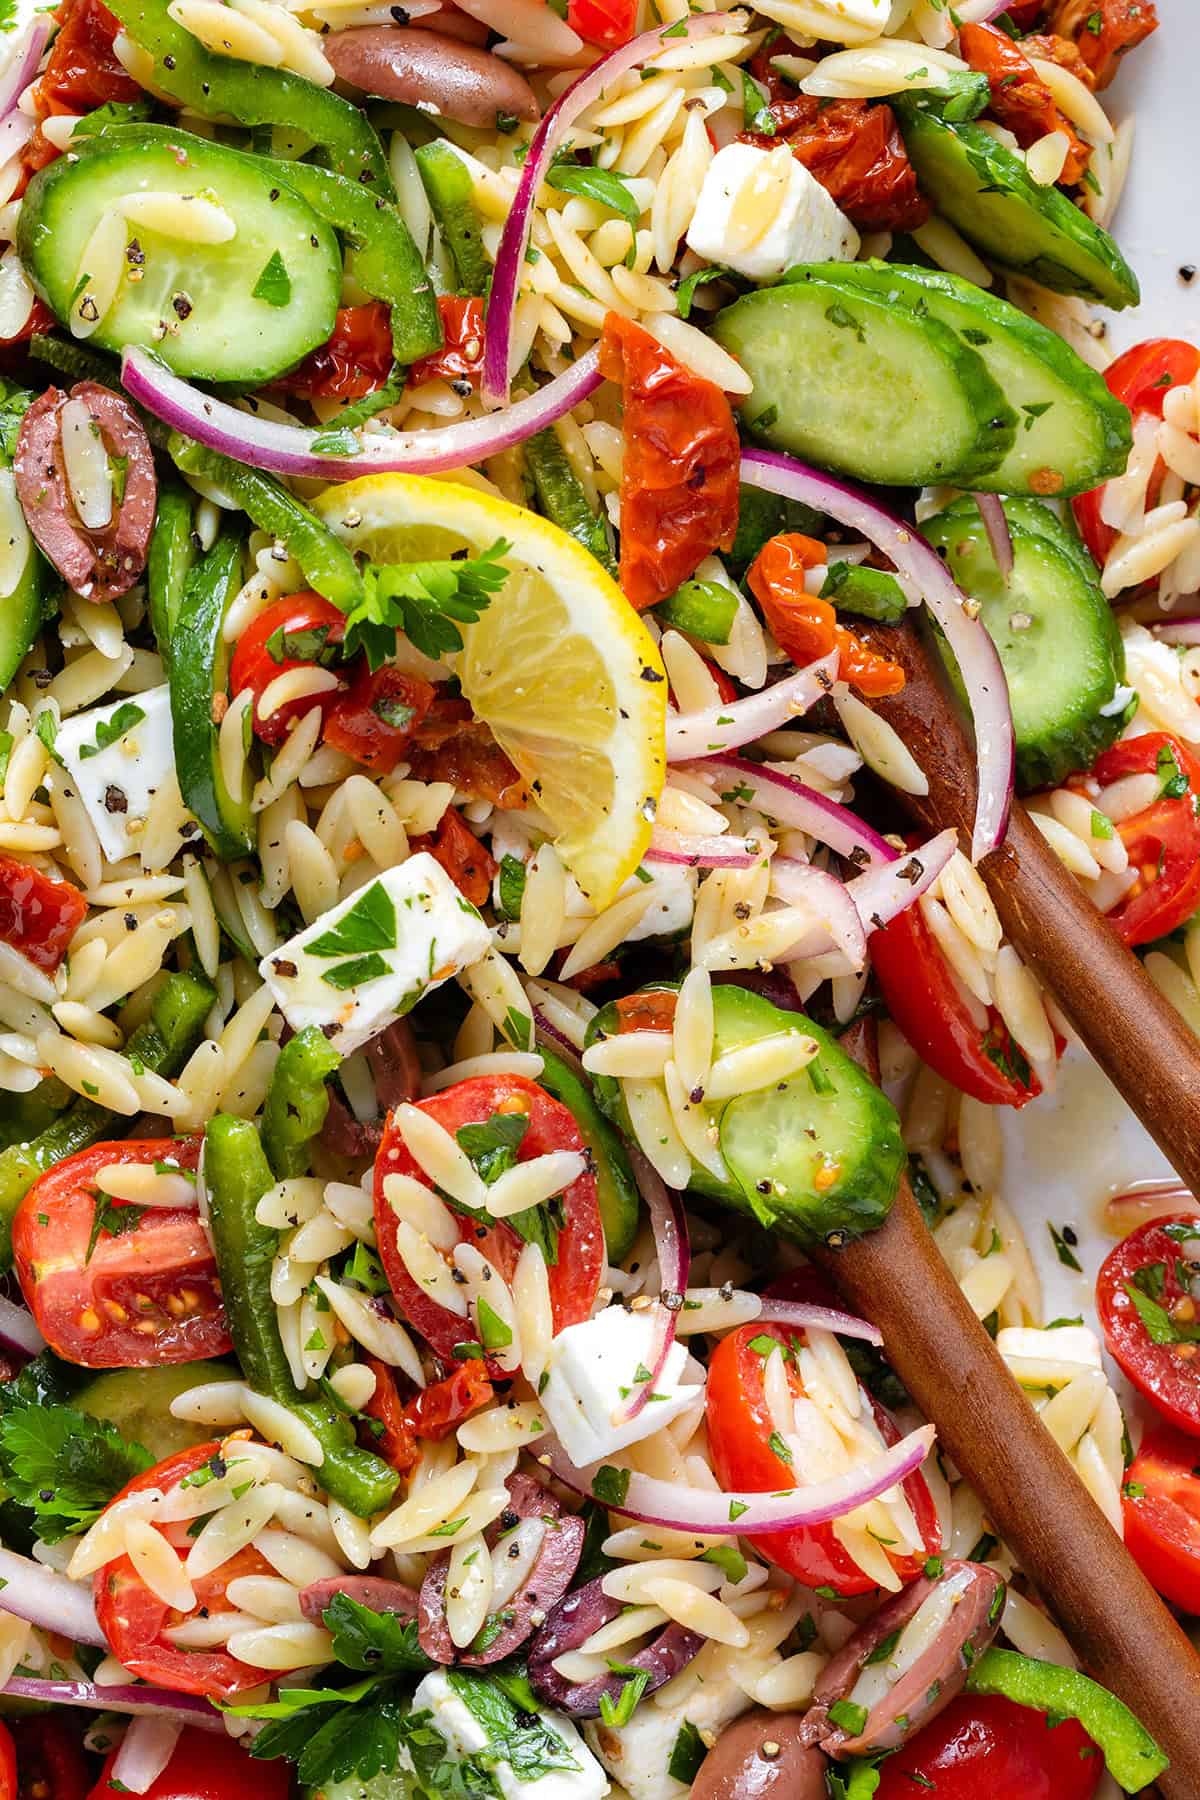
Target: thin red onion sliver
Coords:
[(995, 523), (556, 122), (558, 1042), (46, 1598), (288, 449), (837, 922), (191, 1709), (684, 850), (819, 1318), (924, 577), (726, 727), (743, 1513), (884, 892), (146, 1749), (669, 1224), (17, 1329), (1179, 631), (23, 67), (801, 808)]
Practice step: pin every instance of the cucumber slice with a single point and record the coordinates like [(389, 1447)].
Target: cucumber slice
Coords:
[(197, 674), (226, 333), (138, 1403), (1072, 432), (988, 194), (616, 1190), (1039, 520), (864, 388), (1057, 638), (22, 609)]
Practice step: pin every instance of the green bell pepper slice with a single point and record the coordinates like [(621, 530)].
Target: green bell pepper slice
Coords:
[(448, 186), (1131, 1755), (297, 1101), (169, 562), (563, 500)]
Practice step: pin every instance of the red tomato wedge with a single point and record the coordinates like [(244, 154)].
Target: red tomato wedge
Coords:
[(38, 915), (50, 1761), (375, 718), (1163, 840), (609, 23), (134, 1620), (206, 1765), (114, 1286), (1150, 1320), (745, 1454), (574, 1278), (296, 632), (983, 1748), (433, 1413), (1161, 1506), (468, 863), (1142, 378)]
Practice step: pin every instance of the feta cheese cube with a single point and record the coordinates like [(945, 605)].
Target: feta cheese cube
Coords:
[(672, 902), (366, 962), (593, 1368), (807, 225), (833, 21), (116, 758), (465, 1735), (638, 1755)]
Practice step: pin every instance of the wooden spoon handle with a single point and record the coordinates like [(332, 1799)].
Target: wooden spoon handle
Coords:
[(1135, 1035)]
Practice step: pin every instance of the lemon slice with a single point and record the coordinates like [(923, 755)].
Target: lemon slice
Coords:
[(559, 665)]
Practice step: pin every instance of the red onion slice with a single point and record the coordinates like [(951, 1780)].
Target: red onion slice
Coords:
[(669, 1225), (559, 1043), (881, 893), (17, 1329), (801, 808), (722, 728), (820, 1318), (190, 1709), (557, 121), (46, 1598), (995, 523), (743, 1513), (837, 921), (686, 851), (1179, 631), (21, 70), (288, 449), (924, 577), (146, 1749)]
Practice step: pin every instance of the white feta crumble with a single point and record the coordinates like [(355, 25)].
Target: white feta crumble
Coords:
[(593, 1369), (117, 757), (638, 1755), (465, 1735), (366, 962), (807, 226)]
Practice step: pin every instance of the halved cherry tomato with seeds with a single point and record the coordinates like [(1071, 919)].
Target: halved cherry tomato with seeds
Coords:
[(298, 631), (135, 1621), (1142, 378), (375, 719), (50, 1761), (1146, 1302), (609, 23), (468, 863), (207, 1765), (807, 627), (1160, 1503), (112, 1285), (748, 1452), (575, 1277), (38, 916), (432, 1414), (1163, 839)]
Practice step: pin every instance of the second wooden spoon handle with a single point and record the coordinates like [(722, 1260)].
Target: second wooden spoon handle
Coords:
[(1136, 1036)]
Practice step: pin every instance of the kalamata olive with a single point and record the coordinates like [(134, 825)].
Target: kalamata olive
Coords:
[(375, 1591), (762, 1753), (101, 562), (543, 1587), (419, 68), (571, 1624), (976, 1597), (393, 1061)]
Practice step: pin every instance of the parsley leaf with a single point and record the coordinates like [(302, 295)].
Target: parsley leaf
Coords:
[(1063, 1250), (608, 186), (354, 973), (115, 1218), (274, 284), (63, 1464), (493, 1145), (685, 293), (369, 925), (687, 1753), (426, 600), (379, 1643), (512, 885), (523, 1740), (109, 730)]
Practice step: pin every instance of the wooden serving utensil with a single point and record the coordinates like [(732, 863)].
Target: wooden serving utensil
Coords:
[(1119, 1627)]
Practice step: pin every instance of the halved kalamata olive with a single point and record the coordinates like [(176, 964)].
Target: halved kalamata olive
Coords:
[(976, 1596), (393, 1061), (523, 1611), (418, 68), (762, 1753), (571, 1624), (98, 562), (375, 1591)]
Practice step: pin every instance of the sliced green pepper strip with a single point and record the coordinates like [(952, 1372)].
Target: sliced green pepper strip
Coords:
[(297, 1101), (872, 593), (218, 87), (448, 186), (616, 1189), (327, 564), (704, 609), (25, 1116), (236, 1176), (197, 673), (387, 264), (172, 553), (563, 500), (162, 1044), (1132, 1757)]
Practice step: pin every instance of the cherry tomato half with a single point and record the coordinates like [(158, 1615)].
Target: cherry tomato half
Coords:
[(115, 1286), (679, 483), (921, 997), (207, 1765), (38, 916), (1161, 1506), (295, 632), (574, 1278), (135, 1621), (1142, 378), (1163, 840), (433, 1413), (375, 718), (742, 1436), (461, 355), (50, 1760), (984, 1746), (609, 23), (807, 627), (469, 864), (1149, 1317)]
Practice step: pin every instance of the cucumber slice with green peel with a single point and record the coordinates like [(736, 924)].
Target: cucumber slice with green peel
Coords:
[(1072, 433), (23, 608), (1056, 636), (138, 1403), (988, 194), (1038, 520), (865, 388), (207, 309), (616, 1189), (198, 673)]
